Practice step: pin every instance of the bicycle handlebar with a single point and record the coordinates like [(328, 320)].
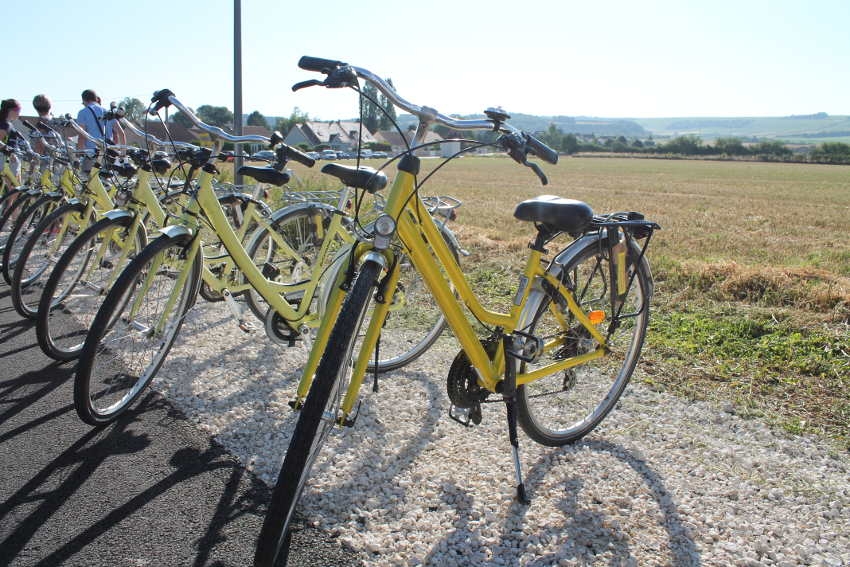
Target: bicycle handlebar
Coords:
[(150, 137), (516, 142), (165, 97)]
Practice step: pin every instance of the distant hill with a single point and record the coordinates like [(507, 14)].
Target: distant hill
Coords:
[(809, 128), (804, 129), (568, 124)]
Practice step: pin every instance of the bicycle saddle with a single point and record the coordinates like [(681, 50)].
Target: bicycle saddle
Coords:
[(565, 215), (363, 178), (265, 174)]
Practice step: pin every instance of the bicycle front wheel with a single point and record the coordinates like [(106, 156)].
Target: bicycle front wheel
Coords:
[(50, 239), (564, 407), (133, 331), (79, 282), (23, 229), (317, 418)]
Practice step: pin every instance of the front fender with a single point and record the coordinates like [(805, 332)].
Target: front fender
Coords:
[(176, 231), (116, 214)]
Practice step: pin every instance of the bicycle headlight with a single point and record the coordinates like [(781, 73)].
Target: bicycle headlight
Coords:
[(384, 226)]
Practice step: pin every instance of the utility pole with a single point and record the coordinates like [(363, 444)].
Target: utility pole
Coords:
[(237, 85)]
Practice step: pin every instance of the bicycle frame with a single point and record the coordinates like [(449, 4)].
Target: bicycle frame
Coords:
[(205, 202), (421, 241)]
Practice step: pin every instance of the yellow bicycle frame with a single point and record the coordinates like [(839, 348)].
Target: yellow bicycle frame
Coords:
[(205, 201), (421, 241)]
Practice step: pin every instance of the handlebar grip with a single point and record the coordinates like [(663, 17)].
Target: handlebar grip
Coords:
[(541, 150), (319, 65), (298, 156), (161, 99)]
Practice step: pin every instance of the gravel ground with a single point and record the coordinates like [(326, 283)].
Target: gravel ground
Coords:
[(661, 482)]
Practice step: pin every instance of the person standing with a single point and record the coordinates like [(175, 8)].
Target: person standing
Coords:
[(10, 109), (42, 106), (91, 118)]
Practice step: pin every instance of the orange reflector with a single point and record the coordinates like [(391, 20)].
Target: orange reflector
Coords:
[(596, 317)]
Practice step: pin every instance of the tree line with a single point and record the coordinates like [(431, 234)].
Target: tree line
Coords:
[(693, 146), (380, 114)]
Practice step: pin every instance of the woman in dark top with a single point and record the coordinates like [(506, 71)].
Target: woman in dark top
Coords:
[(10, 109)]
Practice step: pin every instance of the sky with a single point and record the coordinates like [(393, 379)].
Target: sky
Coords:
[(617, 58)]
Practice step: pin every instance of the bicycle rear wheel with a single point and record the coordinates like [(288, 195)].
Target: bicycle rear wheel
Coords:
[(79, 282), (133, 331), (288, 248), (316, 419), (564, 407), (23, 228), (46, 244)]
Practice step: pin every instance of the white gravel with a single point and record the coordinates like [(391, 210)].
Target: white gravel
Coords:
[(660, 482)]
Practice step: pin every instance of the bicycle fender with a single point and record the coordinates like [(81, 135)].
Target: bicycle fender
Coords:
[(116, 214), (601, 237), (276, 215), (176, 231)]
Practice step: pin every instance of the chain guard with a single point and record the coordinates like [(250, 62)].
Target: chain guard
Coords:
[(279, 331), (462, 382)]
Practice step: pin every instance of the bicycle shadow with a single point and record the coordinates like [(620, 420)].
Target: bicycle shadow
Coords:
[(360, 482), (585, 532), (76, 465), (19, 393)]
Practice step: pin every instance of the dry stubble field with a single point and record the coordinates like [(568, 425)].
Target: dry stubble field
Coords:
[(752, 304)]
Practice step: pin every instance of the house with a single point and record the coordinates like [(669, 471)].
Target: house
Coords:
[(175, 132), (399, 144), (339, 135)]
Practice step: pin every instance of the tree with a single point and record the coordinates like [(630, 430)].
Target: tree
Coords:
[(257, 119), (730, 146), (216, 115), (553, 137), (181, 119), (284, 125), (134, 109), (570, 144), (368, 109), (387, 117)]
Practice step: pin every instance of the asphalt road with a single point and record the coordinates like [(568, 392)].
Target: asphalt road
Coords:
[(149, 489)]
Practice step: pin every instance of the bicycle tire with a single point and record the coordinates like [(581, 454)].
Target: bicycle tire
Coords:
[(302, 228), (63, 319), (564, 407), (38, 257), (307, 438), (8, 218), (411, 328), (108, 357), (23, 229)]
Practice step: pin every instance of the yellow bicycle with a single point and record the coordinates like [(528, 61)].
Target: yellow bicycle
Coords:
[(559, 360), (284, 262)]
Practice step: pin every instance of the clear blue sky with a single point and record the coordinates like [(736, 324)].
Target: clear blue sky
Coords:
[(649, 58)]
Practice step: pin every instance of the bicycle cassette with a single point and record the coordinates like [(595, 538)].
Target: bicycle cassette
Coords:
[(462, 385)]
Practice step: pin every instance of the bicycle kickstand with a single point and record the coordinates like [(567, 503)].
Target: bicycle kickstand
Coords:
[(509, 393)]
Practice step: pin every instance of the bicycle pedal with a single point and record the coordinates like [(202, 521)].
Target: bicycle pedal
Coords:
[(467, 417)]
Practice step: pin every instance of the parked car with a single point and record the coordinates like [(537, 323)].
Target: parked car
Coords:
[(329, 154), (264, 155), (313, 155), (379, 154)]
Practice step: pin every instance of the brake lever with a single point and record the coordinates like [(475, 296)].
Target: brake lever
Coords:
[(536, 169), (305, 84)]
